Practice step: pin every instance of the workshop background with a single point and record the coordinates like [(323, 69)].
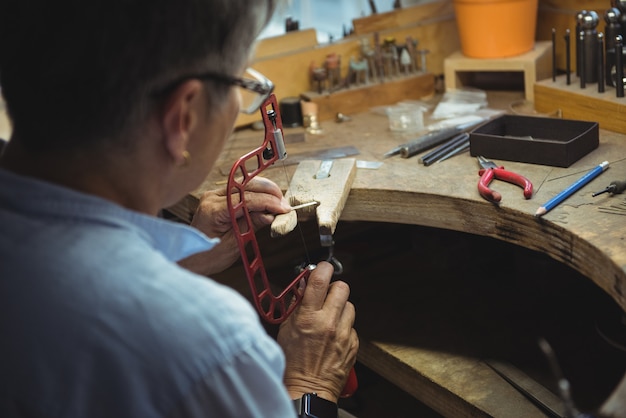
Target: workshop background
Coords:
[(483, 295)]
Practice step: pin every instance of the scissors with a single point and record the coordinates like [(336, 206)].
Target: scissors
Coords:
[(490, 170)]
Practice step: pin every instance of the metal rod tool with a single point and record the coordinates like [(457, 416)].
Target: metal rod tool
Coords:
[(568, 65), (619, 67), (428, 140), (601, 82), (438, 153)]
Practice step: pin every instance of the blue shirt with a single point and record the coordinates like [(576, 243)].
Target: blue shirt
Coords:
[(97, 319)]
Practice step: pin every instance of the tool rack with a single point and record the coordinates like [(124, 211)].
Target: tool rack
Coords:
[(582, 104)]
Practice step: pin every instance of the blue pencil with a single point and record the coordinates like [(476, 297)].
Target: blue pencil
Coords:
[(572, 188)]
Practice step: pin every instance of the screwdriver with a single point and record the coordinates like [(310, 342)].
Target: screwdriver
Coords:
[(616, 187)]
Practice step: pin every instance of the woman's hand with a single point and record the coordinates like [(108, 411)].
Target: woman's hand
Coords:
[(318, 339), (264, 200)]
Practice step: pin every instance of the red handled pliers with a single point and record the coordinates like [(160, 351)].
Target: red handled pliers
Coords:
[(490, 170)]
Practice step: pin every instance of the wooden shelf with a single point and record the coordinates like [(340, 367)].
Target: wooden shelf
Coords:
[(361, 98), (581, 104), (535, 65)]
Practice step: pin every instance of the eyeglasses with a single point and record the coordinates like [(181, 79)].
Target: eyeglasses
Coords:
[(255, 88)]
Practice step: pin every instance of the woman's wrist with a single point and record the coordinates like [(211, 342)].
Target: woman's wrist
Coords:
[(298, 392)]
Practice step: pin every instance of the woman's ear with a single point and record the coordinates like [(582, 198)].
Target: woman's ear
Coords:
[(179, 117)]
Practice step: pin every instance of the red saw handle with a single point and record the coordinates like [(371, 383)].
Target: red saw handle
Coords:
[(352, 384), (272, 308)]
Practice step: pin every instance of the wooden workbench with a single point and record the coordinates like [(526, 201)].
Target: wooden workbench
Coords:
[(444, 196)]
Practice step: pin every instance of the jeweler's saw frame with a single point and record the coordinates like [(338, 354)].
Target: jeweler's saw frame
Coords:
[(273, 308)]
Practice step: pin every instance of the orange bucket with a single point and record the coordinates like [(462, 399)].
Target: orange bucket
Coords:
[(496, 28)]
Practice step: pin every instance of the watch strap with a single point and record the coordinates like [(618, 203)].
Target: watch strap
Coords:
[(311, 405)]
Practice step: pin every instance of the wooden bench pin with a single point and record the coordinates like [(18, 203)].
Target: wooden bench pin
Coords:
[(327, 182)]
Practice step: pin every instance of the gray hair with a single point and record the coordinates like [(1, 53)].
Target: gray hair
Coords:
[(84, 71)]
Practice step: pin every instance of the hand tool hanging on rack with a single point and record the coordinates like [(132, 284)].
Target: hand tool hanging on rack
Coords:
[(272, 308)]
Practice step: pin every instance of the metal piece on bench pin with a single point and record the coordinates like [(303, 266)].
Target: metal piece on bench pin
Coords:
[(324, 170), (305, 205)]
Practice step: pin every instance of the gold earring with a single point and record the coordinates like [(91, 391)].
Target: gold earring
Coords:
[(186, 158)]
